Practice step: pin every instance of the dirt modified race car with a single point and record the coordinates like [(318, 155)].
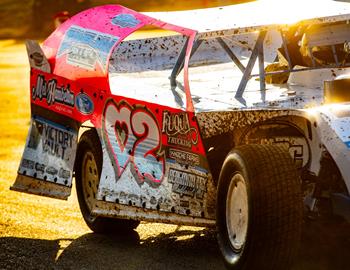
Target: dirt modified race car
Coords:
[(239, 123)]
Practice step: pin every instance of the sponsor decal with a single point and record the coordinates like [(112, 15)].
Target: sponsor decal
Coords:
[(185, 204), (38, 59), (52, 92), (178, 129), (39, 167), (133, 197), (84, 104), (65, 174), (82, 55), (184, 157), (56, 140), (26, 163), (187, 184), (122, 196), (153, 200), (50, 152), (51, 170), (86, 48), (165, 202), (133, 137), (125, 21)]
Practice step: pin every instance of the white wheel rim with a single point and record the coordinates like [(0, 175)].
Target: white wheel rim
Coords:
[(237, 212), (90, 179)]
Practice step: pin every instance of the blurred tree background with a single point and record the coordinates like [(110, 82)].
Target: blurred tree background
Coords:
[(34, 18)]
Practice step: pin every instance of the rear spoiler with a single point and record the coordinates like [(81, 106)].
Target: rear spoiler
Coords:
[(36, 56)]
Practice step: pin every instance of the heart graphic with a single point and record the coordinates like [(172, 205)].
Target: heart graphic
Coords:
[(122, 133), (118, 134), (133, 135)]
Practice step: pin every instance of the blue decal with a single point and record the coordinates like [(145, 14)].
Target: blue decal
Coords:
[(125, 21), (84, 104), (43, 120), (348, 144), (85, 48)]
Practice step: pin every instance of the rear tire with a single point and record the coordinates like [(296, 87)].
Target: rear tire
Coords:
[(259, 208), (87, 175)]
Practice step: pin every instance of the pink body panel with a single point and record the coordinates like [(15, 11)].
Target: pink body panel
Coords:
[(112, 23)]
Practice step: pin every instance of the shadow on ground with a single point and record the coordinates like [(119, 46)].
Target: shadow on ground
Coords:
[(325, 246), (178, 250)]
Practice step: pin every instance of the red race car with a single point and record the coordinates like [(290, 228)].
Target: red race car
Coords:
[(218, 122)]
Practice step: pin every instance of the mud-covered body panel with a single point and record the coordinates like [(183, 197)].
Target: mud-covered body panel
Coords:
[(307, 133), (153, 158)]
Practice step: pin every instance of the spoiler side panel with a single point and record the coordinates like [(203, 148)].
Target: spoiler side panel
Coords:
[(59, 107)]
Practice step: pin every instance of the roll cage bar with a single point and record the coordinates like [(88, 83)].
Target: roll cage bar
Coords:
[(315, 39)]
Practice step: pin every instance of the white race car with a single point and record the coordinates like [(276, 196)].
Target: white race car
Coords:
[(228, 117)]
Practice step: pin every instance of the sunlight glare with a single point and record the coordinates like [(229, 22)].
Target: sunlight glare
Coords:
[(292, 11)]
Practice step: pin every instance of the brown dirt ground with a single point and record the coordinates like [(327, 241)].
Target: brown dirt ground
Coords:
[(43, 233), (18, 19)]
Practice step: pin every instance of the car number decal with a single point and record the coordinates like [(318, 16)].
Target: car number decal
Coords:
[(133, 136)]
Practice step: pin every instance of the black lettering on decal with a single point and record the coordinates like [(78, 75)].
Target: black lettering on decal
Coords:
[(52, 92), (56, 141), (178, 129), (187, 184)]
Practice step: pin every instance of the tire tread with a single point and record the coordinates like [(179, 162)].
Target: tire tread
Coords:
[(276, 206)]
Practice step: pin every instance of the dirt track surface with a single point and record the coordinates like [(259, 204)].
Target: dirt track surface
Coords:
[(42, 233)]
